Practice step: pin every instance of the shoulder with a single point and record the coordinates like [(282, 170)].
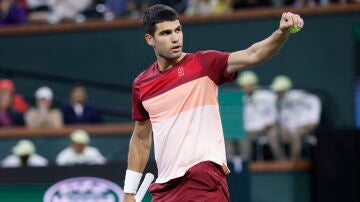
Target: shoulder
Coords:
[(15, 113), (209, 53), (296, 94), (146, 74), (65, 151), (10, 158), (92, 151), (89, 105), (31, 111), (39, 157), (55, 111), (265, 94), (10, 161), (91, 148), (66, 105)]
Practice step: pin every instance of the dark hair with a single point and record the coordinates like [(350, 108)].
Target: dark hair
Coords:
[(156, 14)]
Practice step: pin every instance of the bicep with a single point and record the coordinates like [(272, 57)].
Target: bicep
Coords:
[(240, 59), (141, 136), (142, 129)]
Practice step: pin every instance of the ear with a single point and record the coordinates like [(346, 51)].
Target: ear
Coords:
[(149, 39)]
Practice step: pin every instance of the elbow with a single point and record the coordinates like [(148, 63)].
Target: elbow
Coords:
[(255, 59)]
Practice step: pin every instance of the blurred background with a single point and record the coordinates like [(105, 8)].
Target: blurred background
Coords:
[(66, 70)]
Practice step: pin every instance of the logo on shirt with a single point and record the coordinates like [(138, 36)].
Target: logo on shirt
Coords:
[(181, 71)]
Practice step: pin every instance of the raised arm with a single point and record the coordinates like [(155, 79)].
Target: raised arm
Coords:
[(265, 49), (139, 150)]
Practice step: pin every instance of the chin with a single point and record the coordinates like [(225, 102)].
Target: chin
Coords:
[(177, 55)]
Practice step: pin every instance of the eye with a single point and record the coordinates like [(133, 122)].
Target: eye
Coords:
[(165, 33)]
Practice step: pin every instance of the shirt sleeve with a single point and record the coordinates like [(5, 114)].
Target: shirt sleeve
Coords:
[(215, 63), (138, 111), (97, 157), (61, 158), (314, 108)]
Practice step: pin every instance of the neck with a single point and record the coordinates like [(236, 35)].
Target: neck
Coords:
[(166, 64)]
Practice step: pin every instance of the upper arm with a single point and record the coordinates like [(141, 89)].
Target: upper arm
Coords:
[(257, 53), (240, 59), (214, 65), (142, 129)]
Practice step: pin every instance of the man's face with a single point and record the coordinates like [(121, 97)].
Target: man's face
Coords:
[(248, 89), (78, 95), (43, 103), (78, 148), (167, 40), (5, 100)]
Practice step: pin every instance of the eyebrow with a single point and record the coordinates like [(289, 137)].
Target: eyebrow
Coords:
[(169, 30)]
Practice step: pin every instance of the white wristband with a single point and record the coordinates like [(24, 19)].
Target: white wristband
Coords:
[(132, 180)]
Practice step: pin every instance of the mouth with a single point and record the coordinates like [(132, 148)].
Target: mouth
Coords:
[(176, 48)]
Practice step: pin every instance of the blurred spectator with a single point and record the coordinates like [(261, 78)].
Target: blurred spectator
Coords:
[(18, 102), (107, 9), (24, 155), (22, 4), (69, 10), (178, 5), (43, 116), (78, 110), (222, 6), (8, 116), (299, 114), (39, 10), (309, 3), (116, 7), (137, 7), (200, 7), (11, 12), (239, 4), (259, 115), (204, 7), (79, 152)]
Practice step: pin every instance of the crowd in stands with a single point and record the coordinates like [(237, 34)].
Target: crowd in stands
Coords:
[(278, 115), (14, 109), (79, 152), (57, 11), (281, 115)]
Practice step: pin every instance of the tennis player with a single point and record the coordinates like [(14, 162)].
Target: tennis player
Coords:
[(175, 102)]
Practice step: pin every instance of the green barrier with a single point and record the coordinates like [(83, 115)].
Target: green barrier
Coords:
[(231, 109), (281, 187)]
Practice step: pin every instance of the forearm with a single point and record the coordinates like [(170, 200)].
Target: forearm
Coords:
[(139, 150), (258, 52), (266, 48)]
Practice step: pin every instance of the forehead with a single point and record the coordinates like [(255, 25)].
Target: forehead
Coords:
[(167, 25), (78, 88)]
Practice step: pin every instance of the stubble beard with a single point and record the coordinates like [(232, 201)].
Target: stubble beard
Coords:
[(170, 56)]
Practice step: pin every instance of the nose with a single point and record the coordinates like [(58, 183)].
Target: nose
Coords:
[(175, 37)]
